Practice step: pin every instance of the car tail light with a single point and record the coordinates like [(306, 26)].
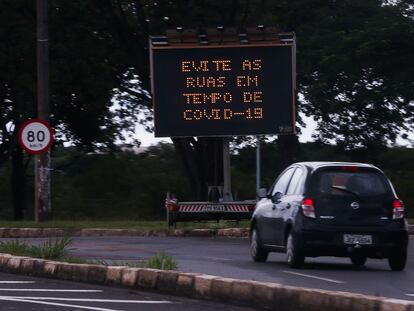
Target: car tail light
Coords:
[(398, 209), (308, 209), (349, 168)]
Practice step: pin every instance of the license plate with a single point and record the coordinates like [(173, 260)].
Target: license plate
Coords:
[(214, 208), (357, 239)]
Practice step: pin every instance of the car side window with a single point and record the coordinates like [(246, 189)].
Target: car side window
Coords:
[(294, 182), (283, 182)]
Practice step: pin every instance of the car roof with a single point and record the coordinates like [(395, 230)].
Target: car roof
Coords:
[(320, 164)]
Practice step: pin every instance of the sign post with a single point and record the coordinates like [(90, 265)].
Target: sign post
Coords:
[(35, 137), (42, 162)]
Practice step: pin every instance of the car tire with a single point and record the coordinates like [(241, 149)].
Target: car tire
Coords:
[(398, 260), (294, 254), (358, 261), (258, 253)]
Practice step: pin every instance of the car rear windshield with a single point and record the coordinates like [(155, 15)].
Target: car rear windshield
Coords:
[(346, 183)]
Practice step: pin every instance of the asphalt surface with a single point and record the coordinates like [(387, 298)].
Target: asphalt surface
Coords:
[(21, 293), (229, 257)]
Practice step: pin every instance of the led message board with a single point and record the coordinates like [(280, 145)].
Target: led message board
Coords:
[(223, 90)]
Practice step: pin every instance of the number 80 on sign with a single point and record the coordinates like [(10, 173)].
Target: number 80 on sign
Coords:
[(35, 136)]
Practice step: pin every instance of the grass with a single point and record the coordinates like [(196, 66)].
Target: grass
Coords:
[(57, 249), (54, 249), (160, 261), (141, 225)]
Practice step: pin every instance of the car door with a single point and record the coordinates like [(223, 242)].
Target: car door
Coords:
[(290, 202), (272, 215)]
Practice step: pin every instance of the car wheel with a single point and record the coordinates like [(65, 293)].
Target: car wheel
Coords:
[(398, 260), (258, 253), (358, 261), (294, 254)]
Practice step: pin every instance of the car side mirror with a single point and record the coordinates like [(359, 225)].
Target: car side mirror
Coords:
[(262, 193), (276, 197)]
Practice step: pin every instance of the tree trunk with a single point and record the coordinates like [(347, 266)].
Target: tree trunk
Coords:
[(203, 161), (288, 145), (18, 182)]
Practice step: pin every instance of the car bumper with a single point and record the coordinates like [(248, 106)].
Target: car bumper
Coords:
[(330, 241)]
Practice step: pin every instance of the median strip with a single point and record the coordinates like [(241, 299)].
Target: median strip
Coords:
[(262, 295)]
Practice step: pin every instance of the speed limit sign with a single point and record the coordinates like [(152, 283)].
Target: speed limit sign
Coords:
[(35, 136)]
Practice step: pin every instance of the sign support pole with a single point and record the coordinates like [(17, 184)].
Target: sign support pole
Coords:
[(227, 196), (258, 164), (42, 161)]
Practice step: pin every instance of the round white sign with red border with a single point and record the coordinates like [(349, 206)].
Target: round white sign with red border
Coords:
[(35, 136)]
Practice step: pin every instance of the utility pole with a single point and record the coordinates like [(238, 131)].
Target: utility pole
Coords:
[(42, 161)]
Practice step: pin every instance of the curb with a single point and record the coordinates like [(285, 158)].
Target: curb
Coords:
[(55, 232), (261, 295), (58, 232)]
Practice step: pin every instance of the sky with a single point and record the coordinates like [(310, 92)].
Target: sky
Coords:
[(148, 139)]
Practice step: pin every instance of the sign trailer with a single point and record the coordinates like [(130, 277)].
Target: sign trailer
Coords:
[(220, 83)]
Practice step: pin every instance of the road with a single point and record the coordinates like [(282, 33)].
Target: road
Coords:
[(229, 257), (37, 294)]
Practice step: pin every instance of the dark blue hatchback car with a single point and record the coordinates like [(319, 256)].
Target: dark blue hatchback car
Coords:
[(330, 209)]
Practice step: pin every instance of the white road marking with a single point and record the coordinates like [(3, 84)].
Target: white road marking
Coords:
[(89, 300), (50, 290), (17, 282), (57, 304), (315, 277)]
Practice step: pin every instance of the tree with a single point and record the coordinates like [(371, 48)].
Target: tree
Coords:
[(354, 69), (87, 70), (355, 65)]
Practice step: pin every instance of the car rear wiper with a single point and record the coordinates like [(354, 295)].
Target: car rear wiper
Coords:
[(346, 190)]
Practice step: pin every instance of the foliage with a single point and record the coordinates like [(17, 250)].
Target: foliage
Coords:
[(118, 186), (160, 261), (355, 70), (84, 45), (55, 249), (125, 190)]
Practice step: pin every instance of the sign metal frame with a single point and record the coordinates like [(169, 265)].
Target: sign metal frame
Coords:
[(154, 48)]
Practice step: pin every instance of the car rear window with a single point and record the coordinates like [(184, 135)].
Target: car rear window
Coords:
[(346, 183)]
